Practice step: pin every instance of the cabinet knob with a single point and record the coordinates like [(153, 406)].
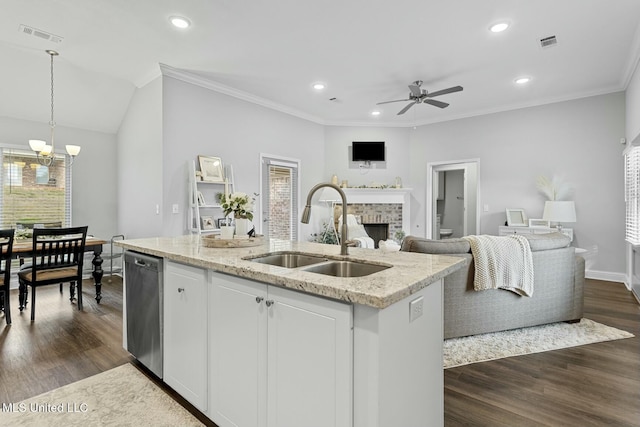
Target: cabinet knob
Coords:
[(180, 290), (259, 299), (269, 303)]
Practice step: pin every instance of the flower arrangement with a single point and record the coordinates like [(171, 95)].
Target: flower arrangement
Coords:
[(239, 203)]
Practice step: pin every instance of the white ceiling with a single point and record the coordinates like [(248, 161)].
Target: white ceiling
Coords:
[(366, 51)]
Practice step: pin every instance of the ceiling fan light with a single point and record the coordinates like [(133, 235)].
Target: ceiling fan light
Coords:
[(36, 145), (499, 27), (319, 86), (375, 113), (523, 80)]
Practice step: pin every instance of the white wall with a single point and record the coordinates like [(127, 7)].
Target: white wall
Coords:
[(139, 178), (632, 109), (93, 186), (338, 139), (197, 121), (578, 140)]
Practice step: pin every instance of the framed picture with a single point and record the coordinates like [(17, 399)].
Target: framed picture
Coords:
[(211, 169), (221, 221), (516, 218), (539, 223), (207, 223)]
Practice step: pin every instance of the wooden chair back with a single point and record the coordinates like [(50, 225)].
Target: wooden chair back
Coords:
[(58, 255), (6, 250)]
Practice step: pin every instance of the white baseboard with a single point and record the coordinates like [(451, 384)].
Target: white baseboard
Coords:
[(607, 276)]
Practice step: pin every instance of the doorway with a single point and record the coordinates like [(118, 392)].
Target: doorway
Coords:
[(453, 199), (279, 189)]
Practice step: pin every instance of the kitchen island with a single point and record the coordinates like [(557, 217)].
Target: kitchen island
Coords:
[(254, 344)]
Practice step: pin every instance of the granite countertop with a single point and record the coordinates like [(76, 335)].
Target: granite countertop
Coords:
[(410, 271)]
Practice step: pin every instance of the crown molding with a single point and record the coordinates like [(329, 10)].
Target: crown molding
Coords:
[(633, 64), (206, 83)]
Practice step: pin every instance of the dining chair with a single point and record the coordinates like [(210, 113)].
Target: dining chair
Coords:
[(57, 257), (6, 248)]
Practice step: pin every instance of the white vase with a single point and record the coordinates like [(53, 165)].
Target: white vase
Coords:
[(226, 232), (242, 226)]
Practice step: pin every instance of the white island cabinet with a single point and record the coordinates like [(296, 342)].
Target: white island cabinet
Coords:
[(278, 356), (185, 332), (253, 344)]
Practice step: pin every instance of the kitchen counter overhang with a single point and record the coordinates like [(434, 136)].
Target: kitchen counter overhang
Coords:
[(409, 273)]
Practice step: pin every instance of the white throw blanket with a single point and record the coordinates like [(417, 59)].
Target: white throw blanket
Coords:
[(356, 232), (502, 262)]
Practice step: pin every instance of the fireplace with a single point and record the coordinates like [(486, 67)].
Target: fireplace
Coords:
[(382, 212)]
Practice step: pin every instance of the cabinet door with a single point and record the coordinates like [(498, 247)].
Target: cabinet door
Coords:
[(185, 332), (238, 352), (310, 361)]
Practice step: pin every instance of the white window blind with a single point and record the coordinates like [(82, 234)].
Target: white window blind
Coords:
[(280, 198), (632, 194), (33, 194)]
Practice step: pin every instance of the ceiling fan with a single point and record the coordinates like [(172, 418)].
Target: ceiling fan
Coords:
[(419, 96)]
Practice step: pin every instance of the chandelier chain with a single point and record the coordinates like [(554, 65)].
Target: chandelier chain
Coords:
[(52, 122)]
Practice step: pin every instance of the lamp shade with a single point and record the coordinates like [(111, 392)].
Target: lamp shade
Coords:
[(73, 150), (36, 144), (559, 211)]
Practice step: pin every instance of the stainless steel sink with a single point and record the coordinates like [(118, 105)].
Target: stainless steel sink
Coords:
[(346, 268), (288, 259)]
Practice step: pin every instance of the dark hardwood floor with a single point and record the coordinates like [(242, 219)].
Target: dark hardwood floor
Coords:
[(592, 385)]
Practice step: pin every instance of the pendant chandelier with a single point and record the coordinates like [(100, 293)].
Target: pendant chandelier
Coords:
[(45, 153)]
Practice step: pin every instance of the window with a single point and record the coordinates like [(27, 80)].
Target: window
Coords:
[(280, 198), (14, 174), (632, 194), (42, 174), (33, 194)]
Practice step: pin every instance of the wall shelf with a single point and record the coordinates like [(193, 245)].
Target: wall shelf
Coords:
[(207, 191)]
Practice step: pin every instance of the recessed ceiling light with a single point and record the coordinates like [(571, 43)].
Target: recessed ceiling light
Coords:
[(523, 80), (375, 113), (319, 86), (499, 27), (180, 22)]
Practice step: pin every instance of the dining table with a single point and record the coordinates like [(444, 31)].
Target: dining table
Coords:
[(23, 248)]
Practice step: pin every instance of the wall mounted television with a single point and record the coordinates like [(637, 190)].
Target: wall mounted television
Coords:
[(367, 151)]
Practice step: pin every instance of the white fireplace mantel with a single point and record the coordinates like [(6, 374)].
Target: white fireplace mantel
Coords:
[(378, 195)]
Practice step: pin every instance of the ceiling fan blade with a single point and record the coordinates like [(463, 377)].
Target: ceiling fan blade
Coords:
[(415, 89), (436, 103), (397, 100), (444, 91), (404, 110)]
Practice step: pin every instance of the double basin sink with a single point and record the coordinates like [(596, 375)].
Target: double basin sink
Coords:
[(319, 264)]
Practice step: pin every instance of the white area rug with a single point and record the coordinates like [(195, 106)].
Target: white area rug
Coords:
[(122, 396), (536, 339)]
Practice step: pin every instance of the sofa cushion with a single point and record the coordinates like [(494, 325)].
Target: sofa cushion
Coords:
[(543, 242), (446, 246)]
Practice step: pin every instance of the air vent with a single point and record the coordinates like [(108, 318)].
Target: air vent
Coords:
[(25, 29), (548, 42)]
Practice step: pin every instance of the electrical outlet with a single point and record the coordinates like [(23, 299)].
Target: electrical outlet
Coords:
[(176, 208), (416, 308)]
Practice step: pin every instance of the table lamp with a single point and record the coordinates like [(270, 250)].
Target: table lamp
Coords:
[(559, 212)]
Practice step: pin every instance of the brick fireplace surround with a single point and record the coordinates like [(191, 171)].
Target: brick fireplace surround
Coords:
[(380, 206)]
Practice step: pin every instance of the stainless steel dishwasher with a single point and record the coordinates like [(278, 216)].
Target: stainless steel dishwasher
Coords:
[(143, 281)]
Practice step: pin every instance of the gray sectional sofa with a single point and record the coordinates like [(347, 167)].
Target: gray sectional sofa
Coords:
[(558, 288)]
